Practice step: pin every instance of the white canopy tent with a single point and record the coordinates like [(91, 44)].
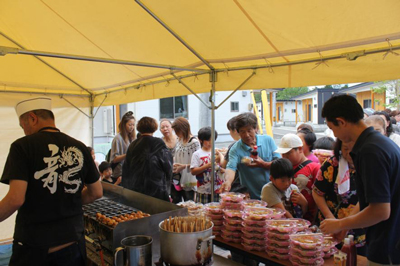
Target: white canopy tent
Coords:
[(93, 53)]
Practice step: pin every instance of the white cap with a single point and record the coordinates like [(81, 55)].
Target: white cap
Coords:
[(288, 142), (39, 103)]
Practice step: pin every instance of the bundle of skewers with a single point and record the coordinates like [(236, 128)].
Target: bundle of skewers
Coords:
[(188, 224)]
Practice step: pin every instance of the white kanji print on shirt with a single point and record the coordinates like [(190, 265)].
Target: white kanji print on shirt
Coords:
[(71, 160)]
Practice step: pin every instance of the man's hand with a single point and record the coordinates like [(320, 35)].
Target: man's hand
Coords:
[(331, 226), (225, 187)]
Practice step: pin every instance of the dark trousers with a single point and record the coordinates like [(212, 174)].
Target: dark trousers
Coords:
[(73, 255), (177, 196)]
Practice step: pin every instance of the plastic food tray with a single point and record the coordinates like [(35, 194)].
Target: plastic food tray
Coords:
[(281, 243), (231, 205), (277, 213), (257, 214), (296, 262), (253, 203), (330, 252), (328, 244), (233, 221), (273, 253), (250, 241), (256, 235), (233, 213), (218, 222), (305, 260), (215, 216), (277, 249), (288, 225), (253, 222), (231, 197), (306, 252), (231, 239), (230, 227), (253, 247), (307, 241), (213, 208), (228, 233), (277, 235), (217, 227), (254, 228)]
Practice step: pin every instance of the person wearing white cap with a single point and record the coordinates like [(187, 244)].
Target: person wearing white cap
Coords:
[(305, 171), (46, 172)]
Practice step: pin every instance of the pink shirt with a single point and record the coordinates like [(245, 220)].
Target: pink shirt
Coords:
[(313, 158)]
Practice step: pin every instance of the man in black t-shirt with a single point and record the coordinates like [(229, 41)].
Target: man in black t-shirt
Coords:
[(377, 162), (46, 171)]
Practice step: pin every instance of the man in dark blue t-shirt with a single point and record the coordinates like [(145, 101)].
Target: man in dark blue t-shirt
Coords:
[(377, 162)]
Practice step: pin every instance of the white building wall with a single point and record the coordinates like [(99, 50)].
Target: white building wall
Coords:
[(315, 110), (288, 115)]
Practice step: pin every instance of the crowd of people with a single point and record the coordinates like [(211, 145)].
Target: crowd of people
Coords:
[(320, 180), (346, 184)]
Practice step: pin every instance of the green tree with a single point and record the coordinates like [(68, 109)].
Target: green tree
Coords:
[(392, 89), (288, 93)]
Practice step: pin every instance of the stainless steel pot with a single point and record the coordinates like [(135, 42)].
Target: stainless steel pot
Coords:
[(137, 251), (183, 249)]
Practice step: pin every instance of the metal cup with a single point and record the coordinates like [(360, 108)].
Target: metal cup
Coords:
[(136, 251)]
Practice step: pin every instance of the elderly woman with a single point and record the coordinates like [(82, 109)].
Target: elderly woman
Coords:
[(334, 190), (121, 142), (148, 163), (185, 184), (169, 137)]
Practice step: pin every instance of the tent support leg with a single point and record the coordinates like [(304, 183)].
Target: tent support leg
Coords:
[(233, 92), (213, 77), (189, 89)]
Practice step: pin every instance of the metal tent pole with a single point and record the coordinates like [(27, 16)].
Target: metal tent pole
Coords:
[(213, 78)]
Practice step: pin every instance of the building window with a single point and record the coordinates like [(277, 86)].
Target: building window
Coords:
[(367, 103), (293, 111), (174, 107), (234, 106)]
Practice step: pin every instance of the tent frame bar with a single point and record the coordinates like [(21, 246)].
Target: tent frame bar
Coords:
[(10, 50), (179, 38), (189, 89)]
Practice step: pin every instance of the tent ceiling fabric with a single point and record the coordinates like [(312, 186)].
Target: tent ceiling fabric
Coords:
[(226, 33)]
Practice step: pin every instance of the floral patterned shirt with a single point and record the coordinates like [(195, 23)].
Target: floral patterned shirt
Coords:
[(340, 205)]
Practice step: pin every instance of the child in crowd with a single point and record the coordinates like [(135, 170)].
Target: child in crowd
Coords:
[(281, 193), (91, 150), (201, 167), (305, 171), (106, 174), (323, 148), (308, 138)]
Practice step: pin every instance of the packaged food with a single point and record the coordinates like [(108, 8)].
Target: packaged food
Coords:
[(306, 252), (254, 228), (330, 252), (251, 222), (231, 233), (278, 249), (218, 227), (233, 221), (235, 227), (328, 244), (231, 205), (257, 241), (217, 222), (213, 208), (257, 214), (233, 213), (253, 203), (215, 216), (277, 235), (281, 243), (231, 238), (277, 213), (253, 247), (288, 225), (275, 254), (255, 235), (231, 197), (305, 260), (297, 262), (307, 241)]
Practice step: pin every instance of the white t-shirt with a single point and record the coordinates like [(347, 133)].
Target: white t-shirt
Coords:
[(272, 196), (200, 158)]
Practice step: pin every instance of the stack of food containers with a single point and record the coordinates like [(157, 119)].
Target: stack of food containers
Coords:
[(328, 247), (306, 249), (231, 204), (194, 209), (254, 227), (215, 214), (278, 236)]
